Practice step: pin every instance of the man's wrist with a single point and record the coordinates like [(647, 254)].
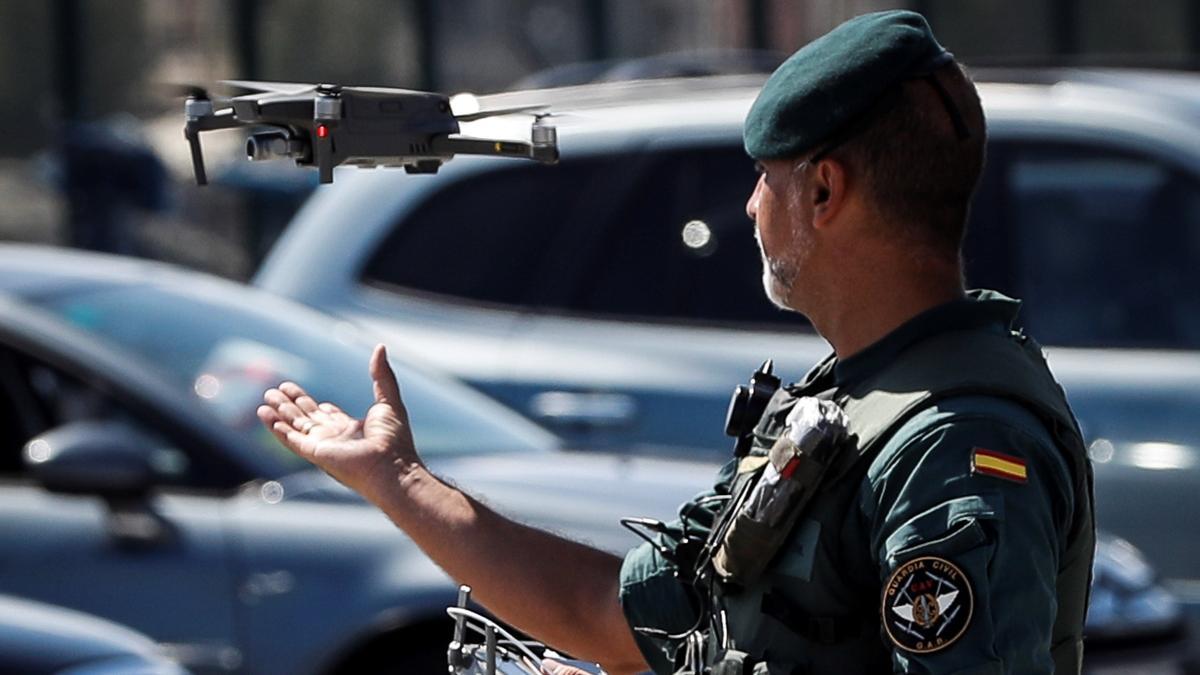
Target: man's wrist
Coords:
[(410, 474), (394, 486)]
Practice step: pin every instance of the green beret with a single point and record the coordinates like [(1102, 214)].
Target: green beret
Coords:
[(835, 79)]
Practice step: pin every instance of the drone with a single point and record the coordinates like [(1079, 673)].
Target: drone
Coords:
[(325, 125), (500, 653)]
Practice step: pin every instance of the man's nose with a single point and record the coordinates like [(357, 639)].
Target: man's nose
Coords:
[(752, 202)]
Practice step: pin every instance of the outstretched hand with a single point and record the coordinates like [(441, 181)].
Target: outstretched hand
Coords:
[(362, 454), (566, 595)]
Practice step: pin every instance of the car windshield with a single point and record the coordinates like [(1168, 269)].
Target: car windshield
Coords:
[(225, 348)]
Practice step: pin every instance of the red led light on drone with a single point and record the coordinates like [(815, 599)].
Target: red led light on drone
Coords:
[(322, 131)]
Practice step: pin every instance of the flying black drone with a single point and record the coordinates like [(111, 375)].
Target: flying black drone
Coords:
[(328, 124)]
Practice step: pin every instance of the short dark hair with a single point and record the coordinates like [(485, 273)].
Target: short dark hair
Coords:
[(920, 172)]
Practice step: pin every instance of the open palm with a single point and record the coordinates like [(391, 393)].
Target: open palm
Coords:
[(359, 453)]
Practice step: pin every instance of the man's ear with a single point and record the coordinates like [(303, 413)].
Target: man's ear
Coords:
[(829, 190)]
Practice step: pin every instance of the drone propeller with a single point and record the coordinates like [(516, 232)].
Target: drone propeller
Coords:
[(192, 91), (564, 115), (257, 87), (269, 87), (294, 88), (189, 91), (496, 112)]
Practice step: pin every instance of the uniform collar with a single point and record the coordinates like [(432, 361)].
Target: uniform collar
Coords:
[(979, 309)]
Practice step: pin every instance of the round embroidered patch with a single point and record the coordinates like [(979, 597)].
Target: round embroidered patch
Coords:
[(927, 605)]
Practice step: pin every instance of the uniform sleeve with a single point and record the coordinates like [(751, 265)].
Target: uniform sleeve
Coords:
[(969, 510), (653, 597)]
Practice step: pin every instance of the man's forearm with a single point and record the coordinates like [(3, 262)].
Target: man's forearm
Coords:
[(559, 591)]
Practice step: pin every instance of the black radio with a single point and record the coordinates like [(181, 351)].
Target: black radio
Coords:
[(747, 406)]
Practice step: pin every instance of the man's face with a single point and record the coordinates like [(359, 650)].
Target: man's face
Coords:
[(782, 228)]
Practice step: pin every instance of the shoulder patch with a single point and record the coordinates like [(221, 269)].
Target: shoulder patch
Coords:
[(991, 463), (927, 605)]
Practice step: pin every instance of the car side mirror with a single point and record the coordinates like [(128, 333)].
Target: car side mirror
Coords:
[(103, 458)]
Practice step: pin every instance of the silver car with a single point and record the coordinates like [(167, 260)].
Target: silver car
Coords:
[(137, 484), (616, 298)]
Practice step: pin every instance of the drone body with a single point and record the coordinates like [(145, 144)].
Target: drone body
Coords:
[(327, 125)]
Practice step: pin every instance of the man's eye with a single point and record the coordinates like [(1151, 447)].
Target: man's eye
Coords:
[(759, 168)]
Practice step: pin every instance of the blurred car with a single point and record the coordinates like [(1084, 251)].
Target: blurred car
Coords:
[(616, 298), (37, 639), (137, 484)]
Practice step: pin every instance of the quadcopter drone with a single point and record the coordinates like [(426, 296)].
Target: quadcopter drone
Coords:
[(500, 653), (327, 124)]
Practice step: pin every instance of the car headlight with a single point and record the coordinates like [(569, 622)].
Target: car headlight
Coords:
[(1127, 601)]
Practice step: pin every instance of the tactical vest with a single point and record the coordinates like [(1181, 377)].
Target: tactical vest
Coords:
[(829, 623)]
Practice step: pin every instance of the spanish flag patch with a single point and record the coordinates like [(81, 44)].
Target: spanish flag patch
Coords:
[(992, 463)]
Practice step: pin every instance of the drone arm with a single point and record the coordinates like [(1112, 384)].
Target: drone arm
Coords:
[(221, 119), (461, 145)]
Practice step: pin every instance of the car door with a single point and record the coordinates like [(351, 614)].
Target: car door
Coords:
[(159, 565)]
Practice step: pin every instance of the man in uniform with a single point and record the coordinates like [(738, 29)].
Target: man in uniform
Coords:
[(946, 529)]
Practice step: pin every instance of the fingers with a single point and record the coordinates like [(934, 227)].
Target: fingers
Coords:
[(386, 388), (268, 416), (284, 431), (290, 437), (293, 407), (334, 414), (285, 408), (299, 397)]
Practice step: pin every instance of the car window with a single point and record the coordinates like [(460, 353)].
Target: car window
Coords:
[(653, 235), (1105, 245), (223, 350), (36, 397), (485, 238), (680, 246)]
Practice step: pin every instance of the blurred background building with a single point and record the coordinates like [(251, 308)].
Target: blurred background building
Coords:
[(95, 141)]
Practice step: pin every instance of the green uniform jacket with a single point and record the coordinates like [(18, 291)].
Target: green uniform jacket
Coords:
[(960, 542)]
